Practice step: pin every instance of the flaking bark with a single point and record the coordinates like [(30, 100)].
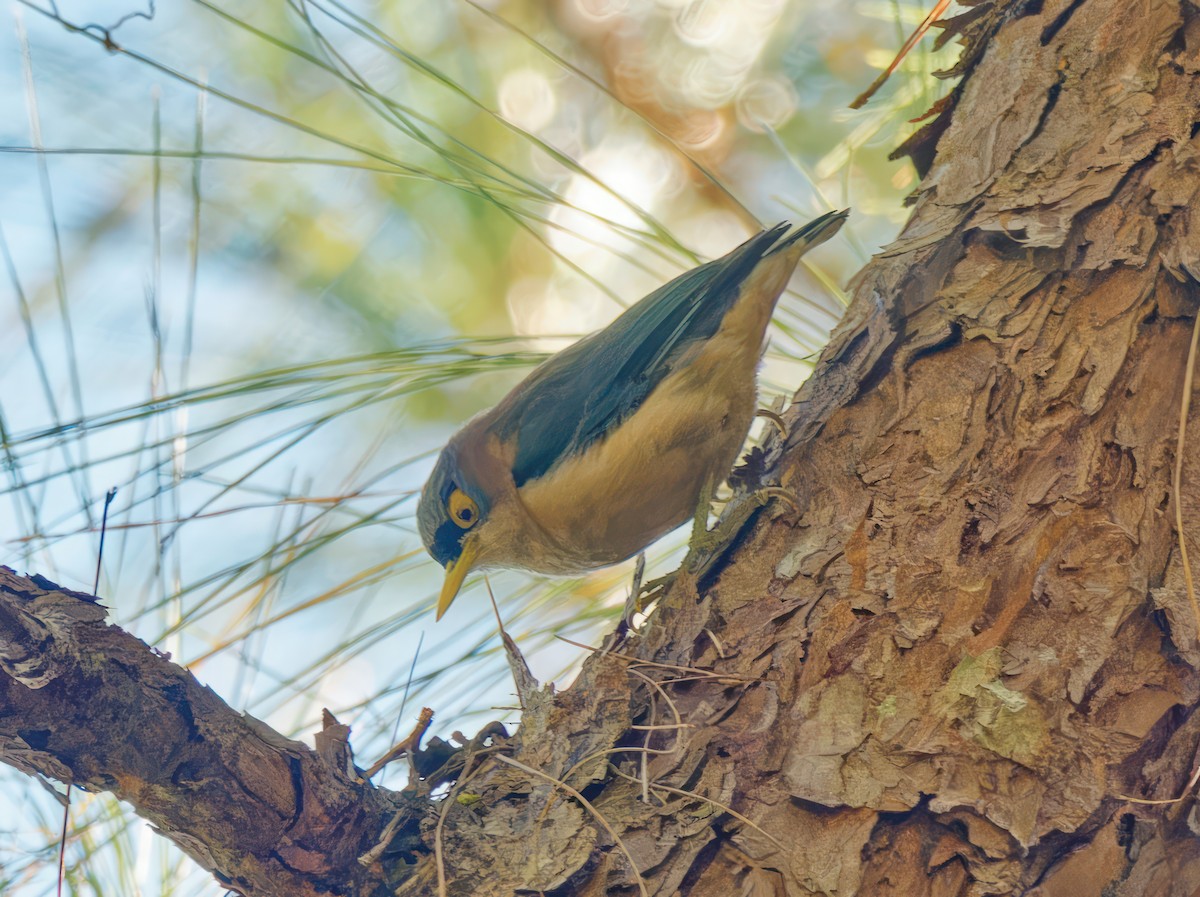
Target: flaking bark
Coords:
[(86, 703), (946, 675)]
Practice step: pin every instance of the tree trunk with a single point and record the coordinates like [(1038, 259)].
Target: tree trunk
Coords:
[(952, 671)]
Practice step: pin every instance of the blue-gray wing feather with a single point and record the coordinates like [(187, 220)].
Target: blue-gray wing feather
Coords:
[(578, 395)]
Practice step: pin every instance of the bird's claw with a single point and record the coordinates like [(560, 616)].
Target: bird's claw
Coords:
[(706, 546)]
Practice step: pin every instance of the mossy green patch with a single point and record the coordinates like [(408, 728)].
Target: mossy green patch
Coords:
[(996, 717)]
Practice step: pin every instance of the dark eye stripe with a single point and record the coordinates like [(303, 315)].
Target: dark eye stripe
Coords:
[(447, 542)]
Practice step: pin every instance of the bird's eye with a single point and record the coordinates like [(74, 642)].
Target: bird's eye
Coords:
[(463, 509)]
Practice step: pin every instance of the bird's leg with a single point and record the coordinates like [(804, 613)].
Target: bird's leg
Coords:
[(707, 546), (705, 552), (633, 605), (700, 532), (705, 543), (699, 543)]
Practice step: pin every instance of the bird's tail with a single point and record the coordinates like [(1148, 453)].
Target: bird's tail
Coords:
[(814, 233)]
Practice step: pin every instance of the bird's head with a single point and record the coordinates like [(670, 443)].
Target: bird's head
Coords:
[(450, 514)]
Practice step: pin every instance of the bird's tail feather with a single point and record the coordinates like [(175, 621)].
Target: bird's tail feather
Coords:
[(811, 234)]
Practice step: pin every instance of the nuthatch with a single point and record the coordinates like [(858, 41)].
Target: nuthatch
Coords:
[(609, 444)]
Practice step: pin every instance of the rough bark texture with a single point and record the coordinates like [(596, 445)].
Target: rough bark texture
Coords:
[(944, 676), (85, 703)]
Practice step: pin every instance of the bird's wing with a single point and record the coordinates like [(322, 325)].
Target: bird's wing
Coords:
[(578, 395)]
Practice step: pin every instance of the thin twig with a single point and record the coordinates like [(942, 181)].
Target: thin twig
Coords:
[(1177, 479), (716, 642), (385, 840), (108, 500), (679, 724), (1187, 789), (437, 832), (523, 678), (657, 686), (644, 759), (938, 9), (700, 673), (1176, 490), (407, 686), (588, 806), (408, 745), (62, 841), (708, 800), (666, 727)]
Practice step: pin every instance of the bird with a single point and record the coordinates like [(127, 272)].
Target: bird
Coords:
[(610, 444)]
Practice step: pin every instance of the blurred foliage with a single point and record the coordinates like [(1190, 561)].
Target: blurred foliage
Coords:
[(261, 259)]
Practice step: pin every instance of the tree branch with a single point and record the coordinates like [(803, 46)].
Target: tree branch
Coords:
[(84, 702)]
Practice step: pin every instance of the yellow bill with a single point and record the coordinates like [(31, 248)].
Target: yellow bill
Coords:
[(456, 572)]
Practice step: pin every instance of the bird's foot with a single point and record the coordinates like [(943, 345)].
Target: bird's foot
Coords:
[(750, 472), (707, 546)]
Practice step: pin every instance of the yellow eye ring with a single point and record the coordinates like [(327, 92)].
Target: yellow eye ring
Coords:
[(463, 510)]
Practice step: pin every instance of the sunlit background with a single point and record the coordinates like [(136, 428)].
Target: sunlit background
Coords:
[(260, 259)]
